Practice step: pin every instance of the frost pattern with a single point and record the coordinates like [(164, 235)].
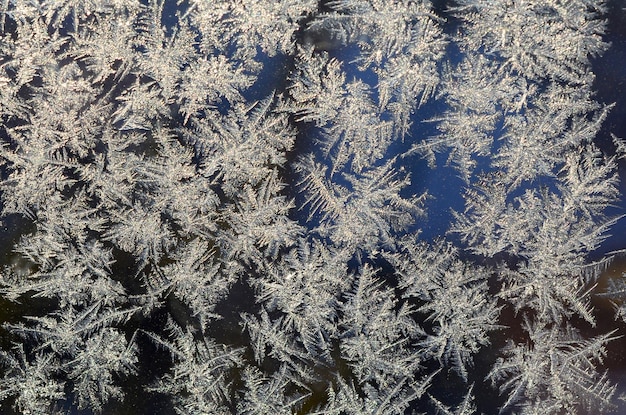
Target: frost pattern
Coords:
[(263, 248)]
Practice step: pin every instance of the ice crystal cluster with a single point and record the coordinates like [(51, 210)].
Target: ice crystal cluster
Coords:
[(215, 204)]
